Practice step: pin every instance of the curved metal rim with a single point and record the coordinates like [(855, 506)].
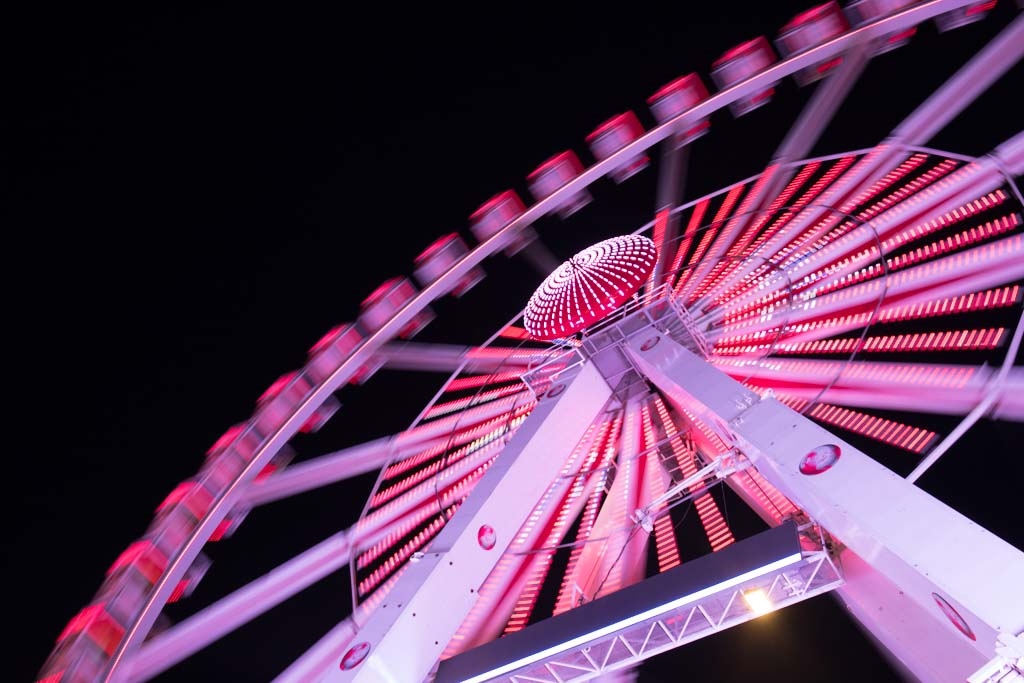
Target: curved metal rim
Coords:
[(225, 499)]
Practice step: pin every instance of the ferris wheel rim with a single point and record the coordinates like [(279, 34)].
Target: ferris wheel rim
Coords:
[(222, 505)]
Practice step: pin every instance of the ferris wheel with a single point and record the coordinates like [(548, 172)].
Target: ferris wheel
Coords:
[(783, 337)]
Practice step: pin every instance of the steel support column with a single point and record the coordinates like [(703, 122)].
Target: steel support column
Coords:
[(404, 636), (929, 569)]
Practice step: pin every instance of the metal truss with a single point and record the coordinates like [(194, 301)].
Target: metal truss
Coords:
[(816, 573)]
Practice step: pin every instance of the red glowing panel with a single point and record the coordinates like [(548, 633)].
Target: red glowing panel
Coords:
[(590, 286)]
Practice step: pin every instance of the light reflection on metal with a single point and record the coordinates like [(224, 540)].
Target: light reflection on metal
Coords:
[(758, 602)]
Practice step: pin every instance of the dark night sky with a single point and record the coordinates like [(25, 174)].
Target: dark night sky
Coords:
[(192, 197)]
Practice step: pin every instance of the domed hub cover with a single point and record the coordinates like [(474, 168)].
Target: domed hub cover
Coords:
[(589, 286)]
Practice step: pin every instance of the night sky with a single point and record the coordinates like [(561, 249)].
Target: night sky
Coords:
[(192, 197)]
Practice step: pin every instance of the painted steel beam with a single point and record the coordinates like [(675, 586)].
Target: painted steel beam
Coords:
[(964, 272), (455, 430), (243, 605), (448, 358), (440, 588), (966, 583)]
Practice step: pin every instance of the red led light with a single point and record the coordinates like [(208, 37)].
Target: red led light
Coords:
[(355, 656), (821, 459), (486, 537), (589, 286), (954, 617)]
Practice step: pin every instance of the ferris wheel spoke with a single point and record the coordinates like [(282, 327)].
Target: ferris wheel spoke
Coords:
[(947, 102), (914, 387), (962, 273), (616, 560), (422, 440), (674, 159), (808, 127), (509, 594), (985, 68), (243, 605), (449, 358), (539, 256)]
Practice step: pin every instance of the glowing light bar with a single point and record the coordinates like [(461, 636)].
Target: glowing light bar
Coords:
[(976, 301), (406, 550), (501, 423), (805, 198), (710, 234), (691, 229), (789, 239), (715, 528), (948, 340), (410, 522), (990, 264), (750, 559), (545, 530), (767, 499), (815, 237), (439, 409), (914, 439), (664, 532), (568, 593), (452, 457), (476, 381), (794, 184)]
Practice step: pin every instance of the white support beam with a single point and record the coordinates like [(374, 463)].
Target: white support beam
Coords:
[(441, 587), (454, 430), (245, 604), (448, 358), (922, 552)]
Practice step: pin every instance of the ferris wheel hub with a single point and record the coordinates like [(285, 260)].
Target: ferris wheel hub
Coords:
[(590, 286)]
